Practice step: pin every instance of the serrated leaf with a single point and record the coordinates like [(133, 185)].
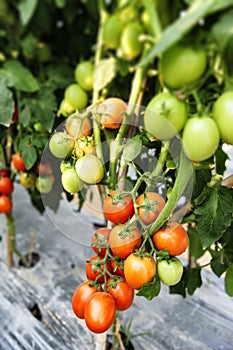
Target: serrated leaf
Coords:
[(20, 77), (150, 290), (131, 150), (29, 155), (213, 210), (26, 10), (104, 73), (6, 106), (229, 281)]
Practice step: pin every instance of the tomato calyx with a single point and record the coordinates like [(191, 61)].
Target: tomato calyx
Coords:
[(100, 242), (126, 230), (118, 197), (148, 205)]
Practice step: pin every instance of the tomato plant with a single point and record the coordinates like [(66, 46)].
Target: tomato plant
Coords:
[(118, 207)]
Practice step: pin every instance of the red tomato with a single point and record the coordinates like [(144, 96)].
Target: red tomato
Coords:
[(4, 173), (18, 162), (5, 204), (80, 296), (99, 241), (6, 185), (139, 271), (118, 267), (99, 312), (123, 240), (111, 112), (95, 267), (123, 295), (150, 205), (118, 208), (174, 238)]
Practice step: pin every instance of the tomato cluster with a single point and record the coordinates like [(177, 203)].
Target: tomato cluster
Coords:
[(6, 189), (123, 260)]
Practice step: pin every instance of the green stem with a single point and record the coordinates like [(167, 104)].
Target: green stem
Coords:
[(162, 159), (3, 157), (155, 25)]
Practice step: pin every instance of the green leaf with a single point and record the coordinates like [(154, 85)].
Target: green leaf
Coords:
[(173, 33), (218, 263), (201, 178), (43, 107), (131, 150), (6, 106), (150, 290), (26, 10), (195, 246), (25, 115), (190, 281), (29, 155), (223, 29), (221, 158), (104, 73), (213, 210), (229, 281), (20, 77)]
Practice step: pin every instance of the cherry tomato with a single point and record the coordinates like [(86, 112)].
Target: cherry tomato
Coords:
[(71, 181), (223, 116), (123, 240), (118, 266), (76, 96), (65, 109), (94, 271), (165, 116), (118, 207), (6, 204), (44, 184), (173, 237), (99, 312), (139, 270), (4, 173), (18, 162), (77, 127), (170, 271), (130, 43), (90, 169), (80, 296), (28, 180), (61, 144), (150, 205), (112, 29), (111, 112), (83, 73), (100, 240), (182, 65), (122, 293), (6, 185), (204, 129)]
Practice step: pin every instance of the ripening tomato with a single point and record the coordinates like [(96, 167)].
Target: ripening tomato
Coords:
[(80, 296), (18, 162), (123, 240), (95, 267), (122, 293), (111, 112), (99, 312), (223, 116), (6, 204), (61, 144), (6, 185), (173, 237), (118, 207), (100, 240), (150, 205), (78, 127), (170, 271), (28, 180), (139, 270)]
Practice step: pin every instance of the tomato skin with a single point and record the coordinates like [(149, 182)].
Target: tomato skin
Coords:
[(112, 29), (6, 204), (165, 116), (204, 129), (90, 169), (139, 271), (28, 180), (99, 312), (80, 296), (6, 185), (93, 272), (111, 112), (223, 116), (122, 247), (77, 127), (71, 181), (102, 235), (173, 237), (76, 96), (120, 211), (123, 295), (182, 65), (18, 162), (130, 44), (146, 215), (61, 144), (170, 271), (83, 73), (44, 184)]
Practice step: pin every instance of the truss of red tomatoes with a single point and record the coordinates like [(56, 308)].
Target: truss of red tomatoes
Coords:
[(6, 189), (127, 258)]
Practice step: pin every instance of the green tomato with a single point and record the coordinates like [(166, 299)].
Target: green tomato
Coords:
[(64, 165), (61, 144), (182, 65), (44, 184), (83, 73), (223, 115), (165, 116), (39, 127), (71, 181), (76, 96), (90, 169), (130, 44), (112, 29), (200, 138), (170, 271), (65, 109)]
